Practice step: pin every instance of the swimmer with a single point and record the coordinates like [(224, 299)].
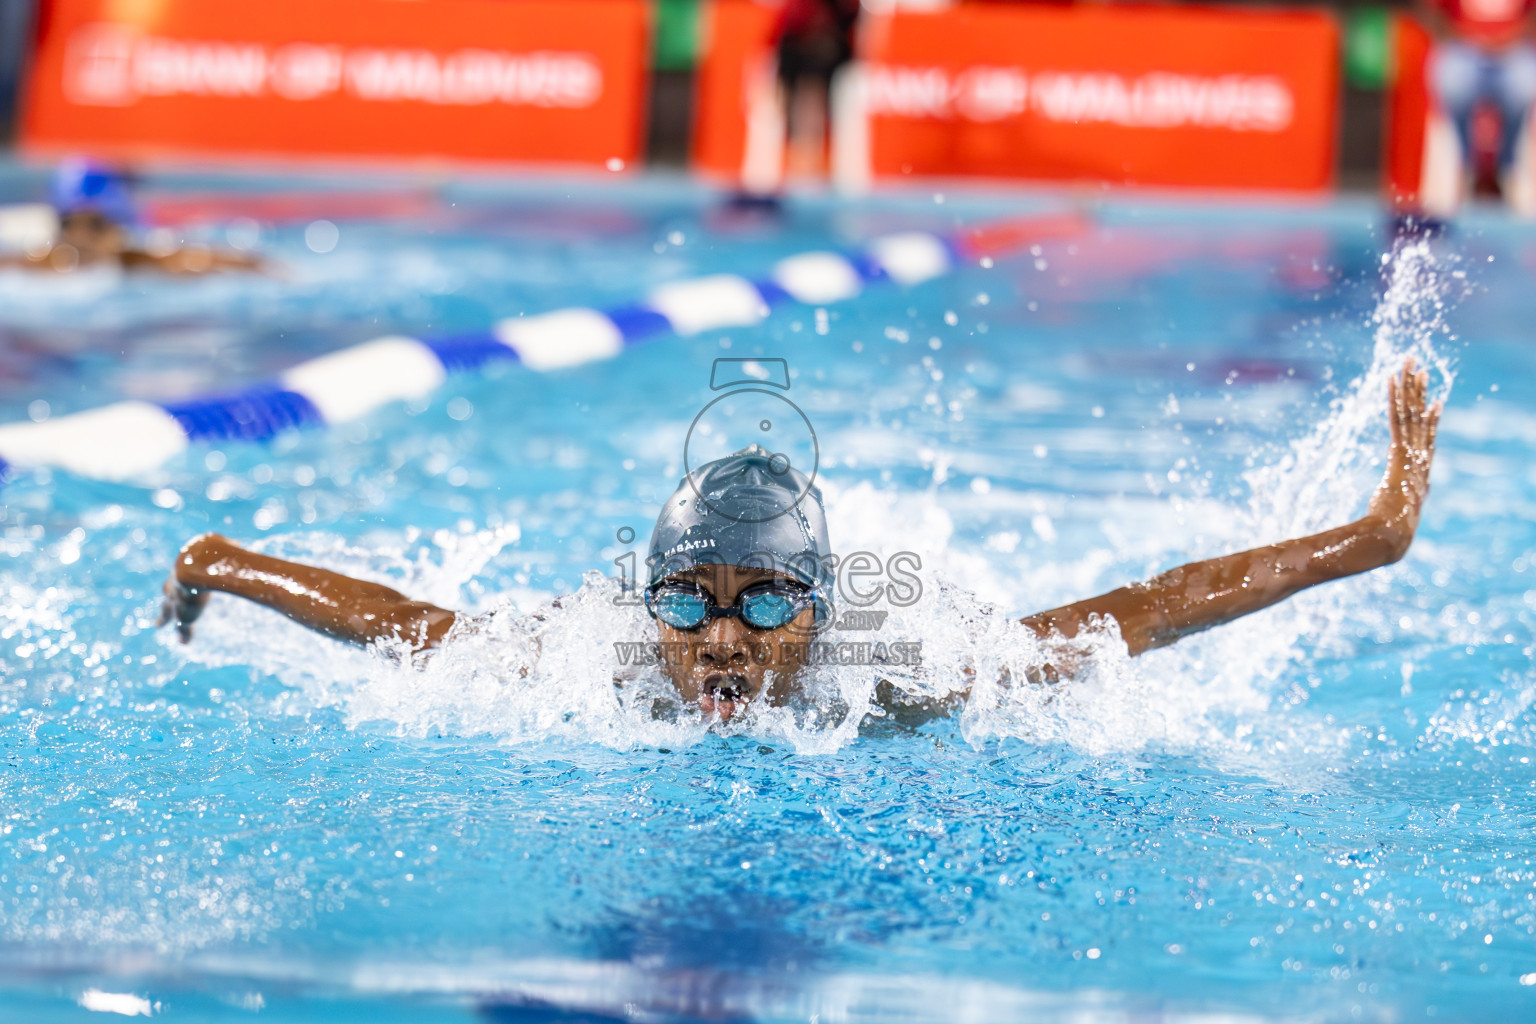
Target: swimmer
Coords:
[(96, 214), (738, 561)]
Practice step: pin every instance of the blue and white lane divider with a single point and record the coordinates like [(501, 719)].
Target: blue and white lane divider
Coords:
[(120, 441)]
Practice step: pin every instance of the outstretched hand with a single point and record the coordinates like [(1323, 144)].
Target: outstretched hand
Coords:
[(1413, 422), (356, 611), (1203, 594), (182, 605), (180, 602)]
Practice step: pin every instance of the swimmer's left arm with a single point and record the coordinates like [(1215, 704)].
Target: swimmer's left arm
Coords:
[(1200, 595)]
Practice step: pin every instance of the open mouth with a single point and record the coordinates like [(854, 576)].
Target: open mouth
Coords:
[(722, 694)]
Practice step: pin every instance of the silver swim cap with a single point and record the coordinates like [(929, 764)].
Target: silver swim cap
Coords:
[(751, 509)]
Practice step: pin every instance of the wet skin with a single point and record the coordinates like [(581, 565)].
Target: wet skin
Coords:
[(87, 237), (726, 664), (1195, 597), (719, 671)]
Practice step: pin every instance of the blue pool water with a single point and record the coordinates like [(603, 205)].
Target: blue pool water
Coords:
[(1323, 812)]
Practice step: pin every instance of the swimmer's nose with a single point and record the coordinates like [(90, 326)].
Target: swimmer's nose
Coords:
[(725, 645), (716, 655)]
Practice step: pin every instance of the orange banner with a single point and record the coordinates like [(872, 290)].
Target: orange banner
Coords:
[(1134, 94), (540, 80), (736, 51), (1408, 112)]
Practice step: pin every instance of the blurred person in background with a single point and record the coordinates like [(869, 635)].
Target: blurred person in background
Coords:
[(15, 34), (813, 38), (1483, 54), (788, 98), (97, 221)]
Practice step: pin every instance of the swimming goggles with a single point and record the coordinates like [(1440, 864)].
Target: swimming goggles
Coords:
[(761, 606)]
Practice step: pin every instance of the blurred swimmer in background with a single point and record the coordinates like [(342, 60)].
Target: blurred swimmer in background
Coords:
[(739, 566), (97, 224)]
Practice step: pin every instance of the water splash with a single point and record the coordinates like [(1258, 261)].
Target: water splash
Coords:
[(533, 669), (1318, 482)]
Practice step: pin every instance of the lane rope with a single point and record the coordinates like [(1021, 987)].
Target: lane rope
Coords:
[(120, 441)]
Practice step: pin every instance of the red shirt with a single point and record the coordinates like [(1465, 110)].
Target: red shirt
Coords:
[(1487, 22)]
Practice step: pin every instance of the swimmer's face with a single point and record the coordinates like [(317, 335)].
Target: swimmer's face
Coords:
[(92, 234), (727, 664)]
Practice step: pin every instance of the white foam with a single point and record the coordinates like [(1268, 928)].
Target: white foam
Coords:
[(35, 297), (124, 1003)]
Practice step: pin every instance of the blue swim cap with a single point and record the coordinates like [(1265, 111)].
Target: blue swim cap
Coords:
[(750, 509), (87, 185)]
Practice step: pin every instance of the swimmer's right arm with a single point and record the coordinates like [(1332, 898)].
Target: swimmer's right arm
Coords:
[(343, 608)]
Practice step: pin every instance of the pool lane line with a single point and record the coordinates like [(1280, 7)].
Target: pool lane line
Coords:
[(122, 440)]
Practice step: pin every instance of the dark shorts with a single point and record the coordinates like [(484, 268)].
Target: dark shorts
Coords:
[(814, 56)]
